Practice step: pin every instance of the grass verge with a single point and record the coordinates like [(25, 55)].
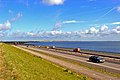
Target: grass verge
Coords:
[(25, 66), (6, 72)]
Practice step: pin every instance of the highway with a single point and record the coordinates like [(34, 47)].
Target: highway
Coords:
[(108, 66)]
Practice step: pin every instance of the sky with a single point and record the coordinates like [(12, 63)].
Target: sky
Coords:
[(60, 20)]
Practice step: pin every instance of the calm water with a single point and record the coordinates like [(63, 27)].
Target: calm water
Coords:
[(108, 46)]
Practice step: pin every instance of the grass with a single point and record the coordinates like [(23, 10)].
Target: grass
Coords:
[(74, 62), (4, 71), (20, 65)]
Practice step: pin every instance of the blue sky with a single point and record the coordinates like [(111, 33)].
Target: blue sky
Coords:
[(79, 20)]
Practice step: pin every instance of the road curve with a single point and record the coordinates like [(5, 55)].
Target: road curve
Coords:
[(78, 69)]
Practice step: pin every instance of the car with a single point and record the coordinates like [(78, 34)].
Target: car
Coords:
[(76, 50), (96, 59), (52, 47)]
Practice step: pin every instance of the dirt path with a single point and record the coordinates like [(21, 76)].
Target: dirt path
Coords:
[(76, 68)]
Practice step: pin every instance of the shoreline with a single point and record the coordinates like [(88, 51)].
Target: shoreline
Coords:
[(110, 47), (91, 49)]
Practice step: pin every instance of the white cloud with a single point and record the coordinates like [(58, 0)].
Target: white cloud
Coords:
[(5, 26), (59, 25), (56, 32), (101, 33), (116, 23), (17, 17), (116, 30), (30, 33), (118, 8), (92, 30), (53, 2), (3, 34), (103, 28), (72, 21)]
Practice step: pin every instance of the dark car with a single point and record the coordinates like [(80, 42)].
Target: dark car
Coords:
[(96, 59)]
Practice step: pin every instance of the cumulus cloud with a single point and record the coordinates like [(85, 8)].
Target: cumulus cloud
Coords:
[(92, 30), (116, 30), (53, 2), (93, 33), (5, 26), (57, 35), (103, 28)]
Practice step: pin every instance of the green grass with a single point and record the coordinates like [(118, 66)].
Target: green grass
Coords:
[(20, 65)]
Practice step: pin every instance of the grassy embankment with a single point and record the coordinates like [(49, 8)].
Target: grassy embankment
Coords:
[(20, 65), (74, 62)]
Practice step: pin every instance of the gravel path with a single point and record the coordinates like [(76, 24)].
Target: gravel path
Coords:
[(76, 68)]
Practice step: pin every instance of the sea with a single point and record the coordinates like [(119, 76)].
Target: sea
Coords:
[(104, 46)]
